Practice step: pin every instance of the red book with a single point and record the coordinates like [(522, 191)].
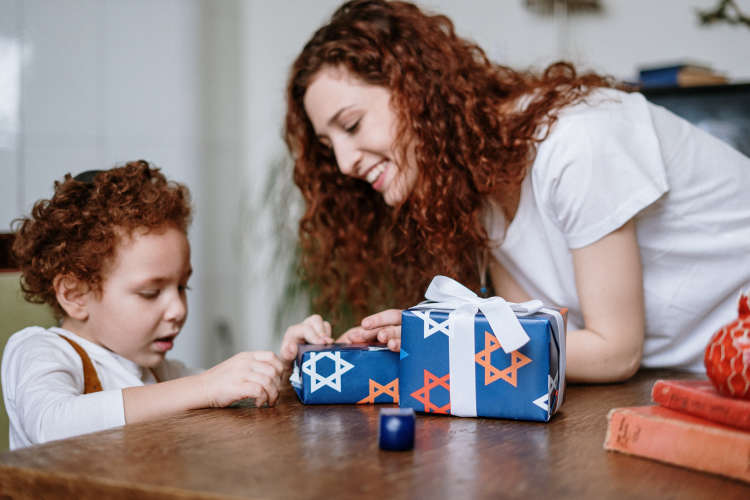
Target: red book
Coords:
[(678, 438), (700, 398)]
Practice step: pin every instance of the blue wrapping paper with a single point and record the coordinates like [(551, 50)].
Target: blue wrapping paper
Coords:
[(524, 384), (345, 373)]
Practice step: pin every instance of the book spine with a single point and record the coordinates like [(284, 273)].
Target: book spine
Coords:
[(700, 404), (677, 442), (659, 77)]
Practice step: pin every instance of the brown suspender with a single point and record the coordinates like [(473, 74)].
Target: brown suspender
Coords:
[(91, 381)]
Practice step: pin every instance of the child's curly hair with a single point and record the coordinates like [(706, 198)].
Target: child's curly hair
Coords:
[(77, 231)]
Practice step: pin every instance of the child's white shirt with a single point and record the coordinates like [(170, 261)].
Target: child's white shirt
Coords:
[(42, 379)]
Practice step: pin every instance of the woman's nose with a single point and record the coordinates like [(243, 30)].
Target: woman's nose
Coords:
[(347, 157)]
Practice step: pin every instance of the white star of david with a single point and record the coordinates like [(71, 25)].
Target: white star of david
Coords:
[(430, 325), (334, 379), (543, 400)]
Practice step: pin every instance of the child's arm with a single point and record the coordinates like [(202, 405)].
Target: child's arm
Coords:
[(245, 375), (313, 330)]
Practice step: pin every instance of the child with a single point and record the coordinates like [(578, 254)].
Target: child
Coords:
[(109, 252)]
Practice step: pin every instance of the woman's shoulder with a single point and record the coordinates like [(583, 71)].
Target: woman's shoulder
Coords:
[(605, 119), (604, 107)]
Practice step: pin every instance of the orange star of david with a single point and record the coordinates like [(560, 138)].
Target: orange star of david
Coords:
[(423, 394), (389, 389), (491, 374)]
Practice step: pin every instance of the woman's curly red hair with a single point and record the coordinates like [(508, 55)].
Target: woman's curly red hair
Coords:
[(460, 119), (76, 232)]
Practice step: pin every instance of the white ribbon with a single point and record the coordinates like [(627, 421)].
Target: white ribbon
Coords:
[(446, 293)]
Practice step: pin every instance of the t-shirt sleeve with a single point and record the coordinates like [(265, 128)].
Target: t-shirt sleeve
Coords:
[(599, 167), (46, 392)]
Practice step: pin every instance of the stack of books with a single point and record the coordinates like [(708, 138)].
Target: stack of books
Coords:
[(691, 425), (680, 75)]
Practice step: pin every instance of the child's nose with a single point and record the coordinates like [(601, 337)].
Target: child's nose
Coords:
[(177, 309)]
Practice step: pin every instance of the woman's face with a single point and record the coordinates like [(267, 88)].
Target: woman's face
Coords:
[(356, 121)]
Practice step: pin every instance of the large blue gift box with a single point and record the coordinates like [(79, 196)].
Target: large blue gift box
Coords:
[(454, 362), (345, 373)]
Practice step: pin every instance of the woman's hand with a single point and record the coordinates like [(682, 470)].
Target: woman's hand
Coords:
[(383, 327), (313, 330)]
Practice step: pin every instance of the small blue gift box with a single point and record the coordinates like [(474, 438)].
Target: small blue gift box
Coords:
[(345, 373), (455, 360)]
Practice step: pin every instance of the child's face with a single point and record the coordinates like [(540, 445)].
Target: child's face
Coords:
[(142, 305)]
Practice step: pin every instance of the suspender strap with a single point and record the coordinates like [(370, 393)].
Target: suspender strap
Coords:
[(91, 381)]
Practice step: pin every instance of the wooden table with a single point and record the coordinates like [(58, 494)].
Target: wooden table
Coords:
[(296, 451)]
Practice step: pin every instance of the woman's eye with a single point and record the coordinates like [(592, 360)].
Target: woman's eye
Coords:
[(353, 127), (184, 288)]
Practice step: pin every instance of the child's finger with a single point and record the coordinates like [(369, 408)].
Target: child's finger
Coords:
[(289, 351), (316, 332), (263, 386), (383, 318), (268, 357)]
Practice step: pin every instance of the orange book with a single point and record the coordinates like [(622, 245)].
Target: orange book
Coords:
[(678, 438), (700, 398)]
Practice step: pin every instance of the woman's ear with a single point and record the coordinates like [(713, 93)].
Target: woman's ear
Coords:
[(73, 295)]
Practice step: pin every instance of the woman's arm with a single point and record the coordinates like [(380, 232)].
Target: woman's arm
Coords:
[(610, 290)]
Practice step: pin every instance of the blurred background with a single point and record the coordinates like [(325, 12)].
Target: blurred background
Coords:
[(196, 87)]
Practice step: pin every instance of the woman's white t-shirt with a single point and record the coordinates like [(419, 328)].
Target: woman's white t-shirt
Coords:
[(42, 378), (616, 157)]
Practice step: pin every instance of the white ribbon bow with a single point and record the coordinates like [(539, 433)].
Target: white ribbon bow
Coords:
[(447, 293)]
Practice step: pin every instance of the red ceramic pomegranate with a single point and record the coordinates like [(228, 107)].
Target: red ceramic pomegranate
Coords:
[(727, 356)]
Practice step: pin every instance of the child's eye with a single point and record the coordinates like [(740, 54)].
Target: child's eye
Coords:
[(184, 288), (149, 294)]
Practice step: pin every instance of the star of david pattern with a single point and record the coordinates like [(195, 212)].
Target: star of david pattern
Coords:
[(430, 325), (543, 400), (334, 379), (389, 389), (491, 373), (422, 395)]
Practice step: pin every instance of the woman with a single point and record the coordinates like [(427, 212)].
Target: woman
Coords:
[(418, 156)]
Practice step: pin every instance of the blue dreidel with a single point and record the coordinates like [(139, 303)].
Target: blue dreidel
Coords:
[(396, 429)]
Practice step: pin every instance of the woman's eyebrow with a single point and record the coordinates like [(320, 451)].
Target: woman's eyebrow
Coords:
[(336, 116)]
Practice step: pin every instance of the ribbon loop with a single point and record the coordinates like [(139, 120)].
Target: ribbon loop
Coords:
[(447, 293)]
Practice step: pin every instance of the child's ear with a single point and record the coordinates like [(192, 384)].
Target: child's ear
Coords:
[(72, 295)]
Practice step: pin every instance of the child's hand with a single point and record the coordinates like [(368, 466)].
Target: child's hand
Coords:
[(384, 327), (245, 375), (313, 330)]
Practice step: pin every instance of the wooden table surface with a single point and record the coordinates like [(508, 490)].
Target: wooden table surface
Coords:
[(296, 451)]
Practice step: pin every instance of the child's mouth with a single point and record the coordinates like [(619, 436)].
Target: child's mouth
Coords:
[(164, 344)]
